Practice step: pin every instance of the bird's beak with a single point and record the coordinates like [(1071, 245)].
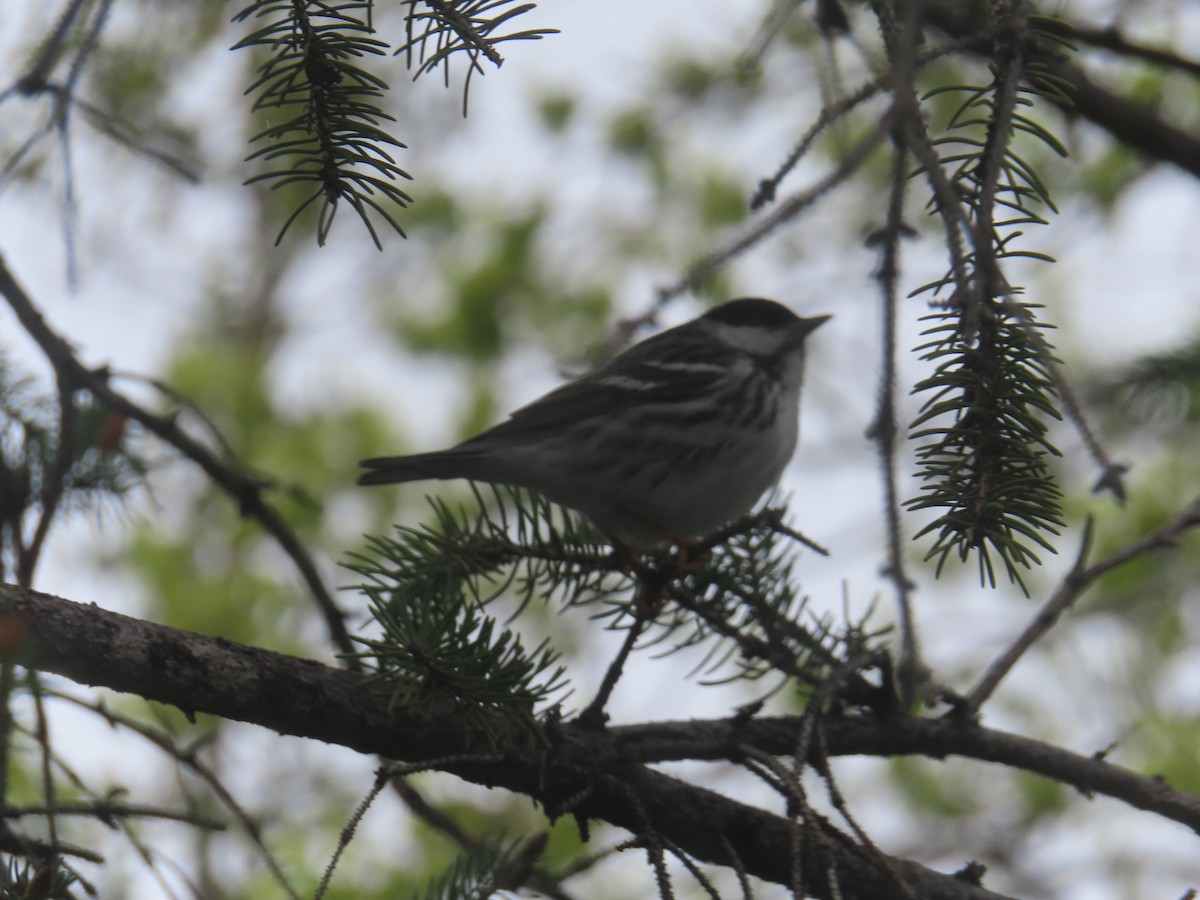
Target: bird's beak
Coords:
[(807, 326)]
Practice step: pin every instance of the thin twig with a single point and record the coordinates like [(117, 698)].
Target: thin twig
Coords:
[(897, 735), (382, 777), (911, 671), (189, 759), (1111, 39), (771, 518), (1076, 581), (801, 816), (768, 30), (1007, 65), (185, 402), (430, 814), (152, 860), (17, 845), (833, 112), (687, 862), (705, 268), (41, 734), (735, 862), (838, 801), (946, 195), (104, 810), (1112, 473), (54, 482), (765, 192), (649, 838), (911, 131), (127, 135), (594, 717), (33, 78)]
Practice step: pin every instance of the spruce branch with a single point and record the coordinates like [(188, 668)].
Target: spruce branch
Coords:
[(1151, 132), (428, 589), (431, 587), (744, 598), (329, 139), (439, 29), (454, 661), (997, 380), (985, 460)]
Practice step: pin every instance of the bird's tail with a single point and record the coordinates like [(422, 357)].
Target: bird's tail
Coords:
[(418, 467)]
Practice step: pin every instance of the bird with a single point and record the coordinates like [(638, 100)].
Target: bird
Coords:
[(674, 438)]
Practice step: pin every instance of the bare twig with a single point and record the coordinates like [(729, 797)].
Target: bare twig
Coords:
[(734, 862), (594, 717), (833, 112), (705, 268), (770, 517), (190, 760), (105, 811), (151, 859), (430, 814), (381, 779), (1008, 63), (694, 870), (17, 845), (54, 483), (948, 201), (41, 734), (911, 671), (33, 78), (1112, 473), (770, 28), (1076, 581)]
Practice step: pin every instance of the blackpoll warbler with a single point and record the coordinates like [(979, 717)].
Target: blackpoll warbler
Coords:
[(675, 437)]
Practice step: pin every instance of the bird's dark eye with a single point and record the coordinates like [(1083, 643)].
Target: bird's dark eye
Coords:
[(752, 312)]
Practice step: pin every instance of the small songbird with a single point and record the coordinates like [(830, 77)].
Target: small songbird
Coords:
[(674, 438)]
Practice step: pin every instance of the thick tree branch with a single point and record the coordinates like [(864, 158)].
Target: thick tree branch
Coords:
[(586, 776), (1134, 124)]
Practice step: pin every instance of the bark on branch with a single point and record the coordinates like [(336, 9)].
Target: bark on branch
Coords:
[(569, 773)]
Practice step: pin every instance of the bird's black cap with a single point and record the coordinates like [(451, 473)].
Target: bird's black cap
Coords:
[(756, 312)]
